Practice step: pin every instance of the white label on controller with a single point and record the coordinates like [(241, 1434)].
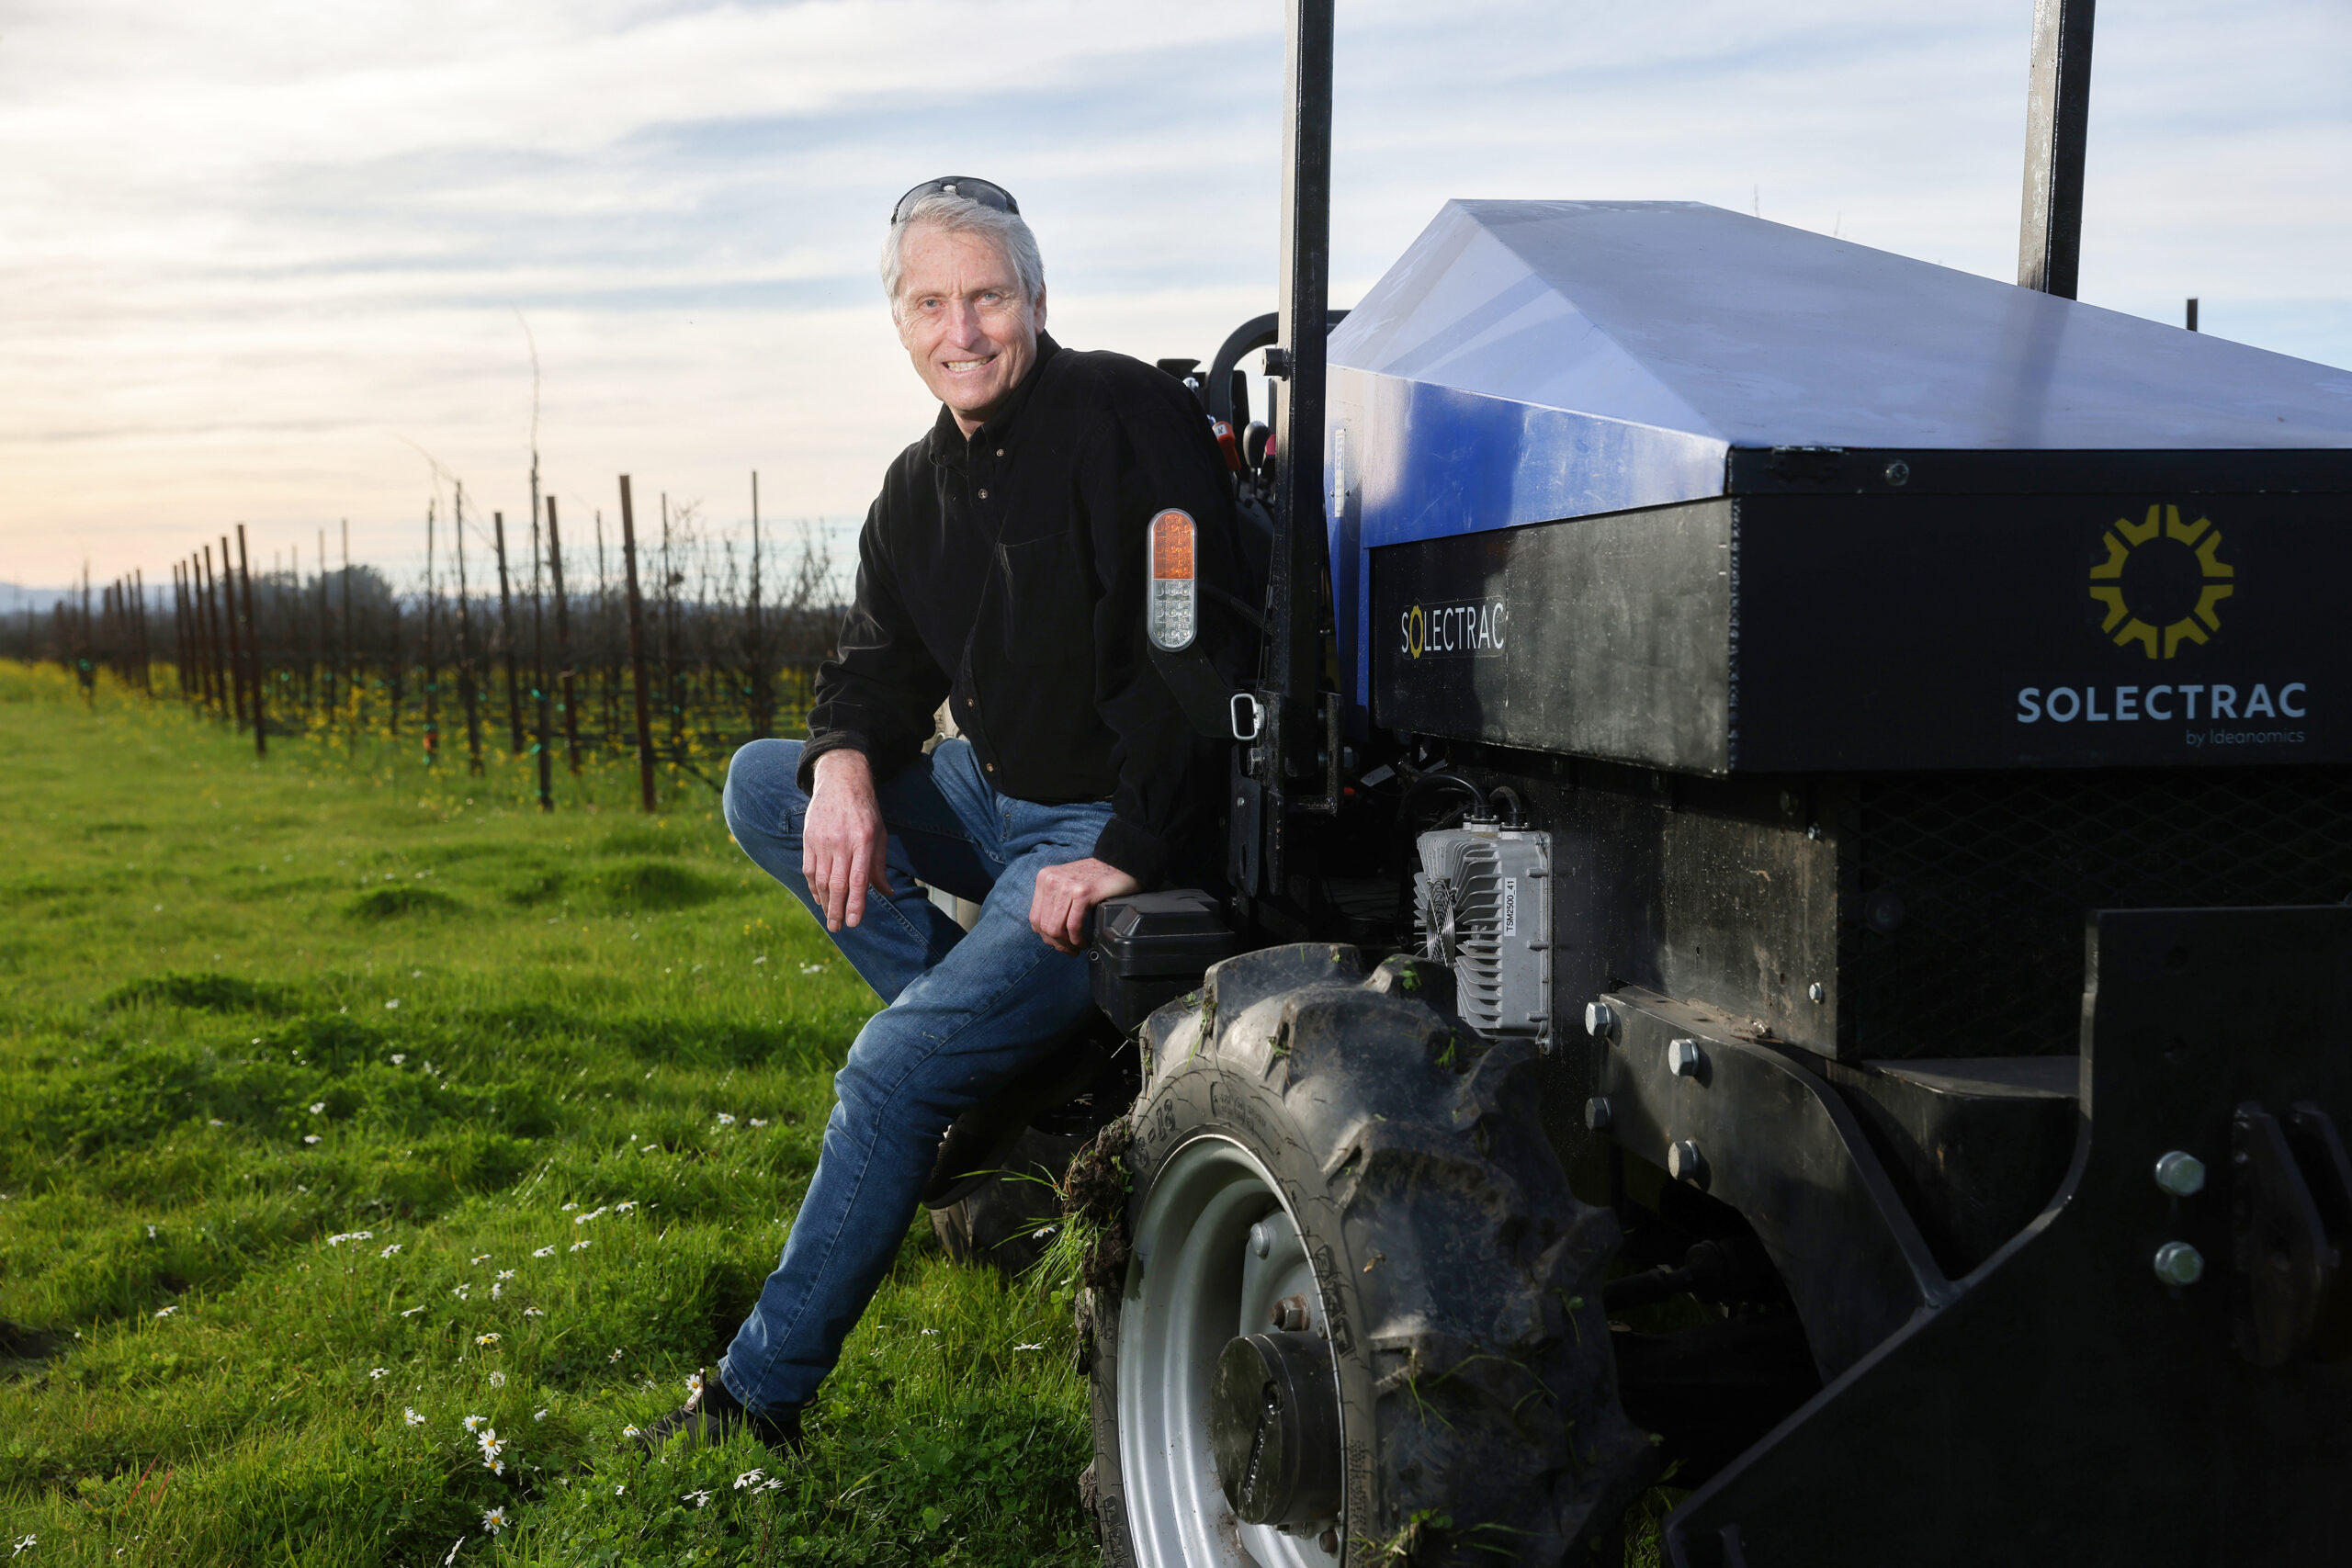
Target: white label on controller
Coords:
[(1510, 906)]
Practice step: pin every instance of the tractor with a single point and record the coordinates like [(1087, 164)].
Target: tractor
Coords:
[(1787, 925)]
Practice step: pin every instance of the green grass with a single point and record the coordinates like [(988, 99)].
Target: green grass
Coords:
[(247, 1008)]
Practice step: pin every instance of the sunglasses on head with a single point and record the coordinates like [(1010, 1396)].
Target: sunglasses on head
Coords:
[(983, 191)]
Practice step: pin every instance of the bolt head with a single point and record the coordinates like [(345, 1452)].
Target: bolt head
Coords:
[(1683, 1162), (1329, 1541), (1261, 1240), (2180, 1173), (1600, 1019), (2178, 1263), (1898, 473), (1682, 1058), (1816, 992), (1597, 1114)]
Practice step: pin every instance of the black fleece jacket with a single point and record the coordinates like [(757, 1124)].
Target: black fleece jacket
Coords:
[(1006, 574)]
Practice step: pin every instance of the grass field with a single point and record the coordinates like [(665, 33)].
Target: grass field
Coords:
[(342, 1103)]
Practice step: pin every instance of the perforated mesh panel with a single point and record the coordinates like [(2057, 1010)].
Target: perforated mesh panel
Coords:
[(1995, 872)]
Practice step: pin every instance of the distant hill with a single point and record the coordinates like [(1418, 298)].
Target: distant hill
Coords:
[(15, 597)]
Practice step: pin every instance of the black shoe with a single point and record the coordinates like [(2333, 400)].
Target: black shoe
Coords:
[(712, 1414)]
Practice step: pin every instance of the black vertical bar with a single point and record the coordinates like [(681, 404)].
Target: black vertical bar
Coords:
[(138, 619), (540, 674), (179, 627), (2058, 102), (762, 715), (2192, 313), (215, 657), (192, 663), (350, 673), (253, 648), (563, 643), (636, 648), (468, 687), (324, 664), (431, 668), (507, 630), (228, 583), (1295, 633)]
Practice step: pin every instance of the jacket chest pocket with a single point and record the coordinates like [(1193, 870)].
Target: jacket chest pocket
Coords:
[(1049, 602)]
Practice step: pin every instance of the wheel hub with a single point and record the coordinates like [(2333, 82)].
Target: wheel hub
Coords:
[(1274, 1429)]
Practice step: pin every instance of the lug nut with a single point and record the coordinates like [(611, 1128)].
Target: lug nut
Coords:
[(2180, 1173), (1289, 1313), (2178, 1263), (1261, 1240), (1597, 1114), (1600, 1019), (1329, 1541), (1683, 1161), (1683, 1058)]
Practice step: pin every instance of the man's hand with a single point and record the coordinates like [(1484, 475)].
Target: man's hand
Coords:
[(843, 844), (1065, 892)]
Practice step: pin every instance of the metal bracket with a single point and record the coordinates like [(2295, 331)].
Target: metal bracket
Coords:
[(1774, 1141), (2075, 1403), (1245, 707)]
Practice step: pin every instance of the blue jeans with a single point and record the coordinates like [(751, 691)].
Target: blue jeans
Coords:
[(966, 1013)]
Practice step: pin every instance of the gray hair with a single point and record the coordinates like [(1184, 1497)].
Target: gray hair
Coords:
[(962, 215)]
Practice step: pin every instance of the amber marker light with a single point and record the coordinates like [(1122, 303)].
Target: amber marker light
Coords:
[(1174, 603)]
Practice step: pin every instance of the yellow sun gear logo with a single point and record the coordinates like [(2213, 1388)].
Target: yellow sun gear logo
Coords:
[(2106, 581), (1416, 631)]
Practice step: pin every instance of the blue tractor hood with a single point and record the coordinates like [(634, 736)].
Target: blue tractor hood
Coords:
[(1536, 362), (1526, 361)]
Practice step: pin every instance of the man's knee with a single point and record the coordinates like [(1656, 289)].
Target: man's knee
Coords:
[(887, 1082), (763, 789)]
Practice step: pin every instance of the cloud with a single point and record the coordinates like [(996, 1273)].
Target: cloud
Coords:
[(244, 251)]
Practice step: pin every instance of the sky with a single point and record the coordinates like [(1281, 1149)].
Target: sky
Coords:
[(274, 262)]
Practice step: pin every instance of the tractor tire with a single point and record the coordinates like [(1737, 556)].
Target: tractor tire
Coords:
[(1328, 1182)]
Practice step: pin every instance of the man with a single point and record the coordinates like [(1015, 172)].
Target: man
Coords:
[(1001, 569)]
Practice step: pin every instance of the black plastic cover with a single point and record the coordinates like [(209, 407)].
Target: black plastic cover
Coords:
[(1179, 932), (1151, 948)]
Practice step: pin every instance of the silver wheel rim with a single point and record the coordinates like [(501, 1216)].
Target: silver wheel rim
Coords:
[(1197, 1282)]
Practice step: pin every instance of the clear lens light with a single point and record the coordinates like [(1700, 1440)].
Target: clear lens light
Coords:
[(1172, 607)]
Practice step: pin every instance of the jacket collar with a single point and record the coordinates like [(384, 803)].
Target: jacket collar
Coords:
[(946, 441)]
